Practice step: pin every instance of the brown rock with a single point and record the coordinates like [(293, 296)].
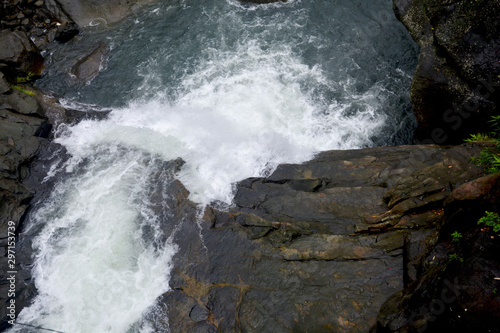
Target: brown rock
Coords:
[(487, 187)]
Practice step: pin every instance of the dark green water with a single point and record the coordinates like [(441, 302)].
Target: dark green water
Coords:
[(347, 57)]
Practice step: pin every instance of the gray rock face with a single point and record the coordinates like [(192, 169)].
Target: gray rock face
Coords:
[(4, 86), (25, 122), (315, 247), (95, 12), (456, 84), (42, 21), (88, 67), (22, 126), (18, 55)]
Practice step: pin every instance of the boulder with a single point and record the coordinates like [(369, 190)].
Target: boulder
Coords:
[(470, 201), (18, 55), (454, 91), (21, 102), (88, 67)]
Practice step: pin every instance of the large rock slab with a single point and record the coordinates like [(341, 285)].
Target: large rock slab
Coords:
[(455, 88), (303, 249)]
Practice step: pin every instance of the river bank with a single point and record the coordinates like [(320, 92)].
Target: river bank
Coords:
[(318, 246)]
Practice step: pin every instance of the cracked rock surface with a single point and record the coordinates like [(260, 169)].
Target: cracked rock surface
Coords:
[(315, 247)]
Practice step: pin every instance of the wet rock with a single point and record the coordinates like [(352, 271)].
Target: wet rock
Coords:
[(288, 257), (4, 86), (452, 295), (199, 313), (88, 67), (21, 102), (92, 12), (66, 31), (18, 55), (470, 201), (455, 86)]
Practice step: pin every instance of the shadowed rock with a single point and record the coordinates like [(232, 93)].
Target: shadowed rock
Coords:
[(18, 55), (455, 87)]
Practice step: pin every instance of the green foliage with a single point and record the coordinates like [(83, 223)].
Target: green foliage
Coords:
[(495, 123), (489, 157), (478, 137), (25, 79), (495, 291), (456, 237), (456, 257), (26, 91), (491, 219)]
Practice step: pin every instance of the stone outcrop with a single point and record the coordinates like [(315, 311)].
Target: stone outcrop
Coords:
[(455, 88), (18, 55), (457, 288), (89, 66), (26, 118), (315, 247), (44, 21), (96, 12)]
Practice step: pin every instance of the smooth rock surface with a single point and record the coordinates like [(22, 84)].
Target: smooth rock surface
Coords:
[(88, 67)]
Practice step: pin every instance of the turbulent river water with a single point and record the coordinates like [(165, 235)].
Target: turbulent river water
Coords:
[(233, 89)]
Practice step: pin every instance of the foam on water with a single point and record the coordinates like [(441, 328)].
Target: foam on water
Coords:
[(242, 113), (96, 270)]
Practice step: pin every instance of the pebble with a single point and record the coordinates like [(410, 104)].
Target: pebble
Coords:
[(39, 3)]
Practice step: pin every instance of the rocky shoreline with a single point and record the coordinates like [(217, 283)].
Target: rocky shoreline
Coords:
[(324, 245), (352, 241)]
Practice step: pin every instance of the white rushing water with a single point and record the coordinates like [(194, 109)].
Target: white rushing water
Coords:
[(102, 258)]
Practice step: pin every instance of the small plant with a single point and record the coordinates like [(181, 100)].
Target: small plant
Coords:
[(495, 291), (489, 157), (26, 91), (25, 79), (456, 237), (478, 137), (456, 257), (491, 219)]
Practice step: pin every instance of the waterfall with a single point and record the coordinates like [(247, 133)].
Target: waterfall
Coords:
[(231, 89)]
